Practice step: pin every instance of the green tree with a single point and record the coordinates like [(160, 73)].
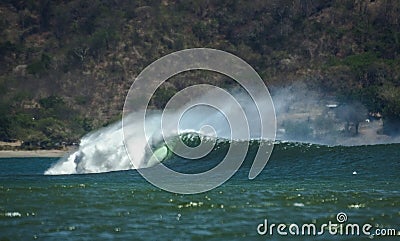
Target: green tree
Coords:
[(45, 13), (5, 122)]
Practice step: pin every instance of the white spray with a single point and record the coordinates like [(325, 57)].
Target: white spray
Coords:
[(104, 149)]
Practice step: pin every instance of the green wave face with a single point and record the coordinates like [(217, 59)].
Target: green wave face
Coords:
[(163, 152), (158, 156)]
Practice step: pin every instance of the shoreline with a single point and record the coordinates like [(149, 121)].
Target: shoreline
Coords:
[(34, 153)]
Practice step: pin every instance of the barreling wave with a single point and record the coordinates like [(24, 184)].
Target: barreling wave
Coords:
[(104, 151)]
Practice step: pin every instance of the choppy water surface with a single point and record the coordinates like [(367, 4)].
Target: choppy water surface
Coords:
[(301, 183)]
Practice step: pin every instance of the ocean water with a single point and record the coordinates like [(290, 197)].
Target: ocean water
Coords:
[(301, 184)]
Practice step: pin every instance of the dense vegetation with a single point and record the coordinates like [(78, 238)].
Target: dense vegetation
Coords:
[(67, 65)]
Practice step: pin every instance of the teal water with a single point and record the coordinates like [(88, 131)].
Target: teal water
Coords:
[(301, 184)]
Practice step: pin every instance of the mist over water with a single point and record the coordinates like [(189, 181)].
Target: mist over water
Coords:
[(302, 116)]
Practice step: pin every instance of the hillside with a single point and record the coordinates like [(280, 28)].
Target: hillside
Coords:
[(66, 66)]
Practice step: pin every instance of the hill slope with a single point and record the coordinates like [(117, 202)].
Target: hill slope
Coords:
[(66, 65)]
